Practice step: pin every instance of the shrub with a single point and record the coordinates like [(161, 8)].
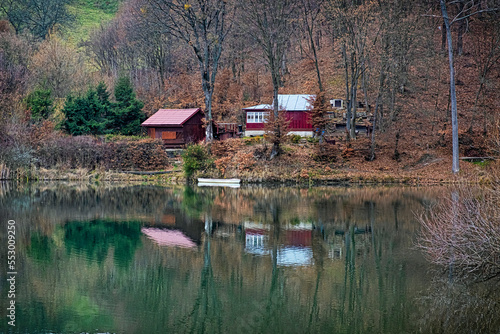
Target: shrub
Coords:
[(89, 152), (464, 233), (253, 140), (222, 148), (145, 154), (312, 140), (295, 139), (222, 164), (244, 160), (70, 152), (195, 158), (325, 152)]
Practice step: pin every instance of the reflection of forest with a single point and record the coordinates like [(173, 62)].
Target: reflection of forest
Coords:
[(86, 264)]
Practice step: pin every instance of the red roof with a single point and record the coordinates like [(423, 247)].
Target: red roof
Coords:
[(170, 117)]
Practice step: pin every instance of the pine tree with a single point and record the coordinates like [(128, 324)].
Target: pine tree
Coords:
[(85, 115), (127, 114), (39, 102)]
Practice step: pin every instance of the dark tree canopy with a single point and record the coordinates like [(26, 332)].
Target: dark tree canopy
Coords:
[(40, 103), (85, 115), (127, 114), (95, 114), (39, 17)]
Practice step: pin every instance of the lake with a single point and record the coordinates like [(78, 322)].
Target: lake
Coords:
[(123, 258)]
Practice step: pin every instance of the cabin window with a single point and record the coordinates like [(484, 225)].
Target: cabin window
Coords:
[(257, 117), (337, 103), (250, 117), (168, 135)]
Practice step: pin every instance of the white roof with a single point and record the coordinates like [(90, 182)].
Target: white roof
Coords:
[(259, 107), (289, 102), (295, 102)]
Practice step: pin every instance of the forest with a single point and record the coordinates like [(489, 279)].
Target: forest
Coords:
[(78, 78)]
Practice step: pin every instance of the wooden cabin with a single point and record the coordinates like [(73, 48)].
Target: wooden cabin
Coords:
[(176, 127), (297, 108)]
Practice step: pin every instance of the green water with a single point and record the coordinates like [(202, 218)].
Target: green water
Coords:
[(144, 259)]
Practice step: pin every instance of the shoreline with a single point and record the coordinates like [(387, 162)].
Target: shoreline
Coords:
[(257, 177)]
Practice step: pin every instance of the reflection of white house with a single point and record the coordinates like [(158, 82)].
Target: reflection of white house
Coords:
[(295, 249), (256, 238), (295, 256)]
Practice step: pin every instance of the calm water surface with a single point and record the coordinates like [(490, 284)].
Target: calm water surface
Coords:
[(147, 259)]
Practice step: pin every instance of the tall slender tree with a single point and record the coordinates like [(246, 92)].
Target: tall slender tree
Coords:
[(202, 25), (465, 11), (270, 24)]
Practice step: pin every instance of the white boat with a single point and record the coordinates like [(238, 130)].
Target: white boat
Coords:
[(234, 183)]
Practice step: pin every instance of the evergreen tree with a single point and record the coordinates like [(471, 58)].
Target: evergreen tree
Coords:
[(127, 114), (39, 102), (85, 115), (102, 93)]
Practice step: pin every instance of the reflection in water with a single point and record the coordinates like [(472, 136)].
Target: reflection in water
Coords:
[(142, 259), (165, 237), (94, 238)]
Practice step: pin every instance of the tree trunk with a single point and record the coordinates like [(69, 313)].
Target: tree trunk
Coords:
[(454, 117), (460, 31), (348, 95), (277, 131), (377, 104)]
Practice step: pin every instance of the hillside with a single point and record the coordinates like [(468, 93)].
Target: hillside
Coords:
[(89, 15), (386, 54)]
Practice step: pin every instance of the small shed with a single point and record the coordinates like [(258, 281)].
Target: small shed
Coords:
[(176, 127)]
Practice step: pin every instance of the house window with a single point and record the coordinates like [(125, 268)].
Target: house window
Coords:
[(337, 103), (257, 117), (250, 117), (168, 135), (261, 117)]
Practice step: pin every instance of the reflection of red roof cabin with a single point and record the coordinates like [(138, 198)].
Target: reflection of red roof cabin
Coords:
[(297, 111), (176, 127), (170, 238)]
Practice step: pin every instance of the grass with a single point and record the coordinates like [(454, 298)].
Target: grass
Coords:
[(89, 16)]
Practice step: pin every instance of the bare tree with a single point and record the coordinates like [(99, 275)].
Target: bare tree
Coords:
[(465, 12), (57, 66), (270, 24), (351, 22), (202, 25), (453, 95), (310, 13), (486, 56)]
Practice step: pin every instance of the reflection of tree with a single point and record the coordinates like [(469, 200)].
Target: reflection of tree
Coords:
[(40, 247), (319, 254), (275, 299), (206, 314), (459, 308), (195, 203), (95, 237)]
